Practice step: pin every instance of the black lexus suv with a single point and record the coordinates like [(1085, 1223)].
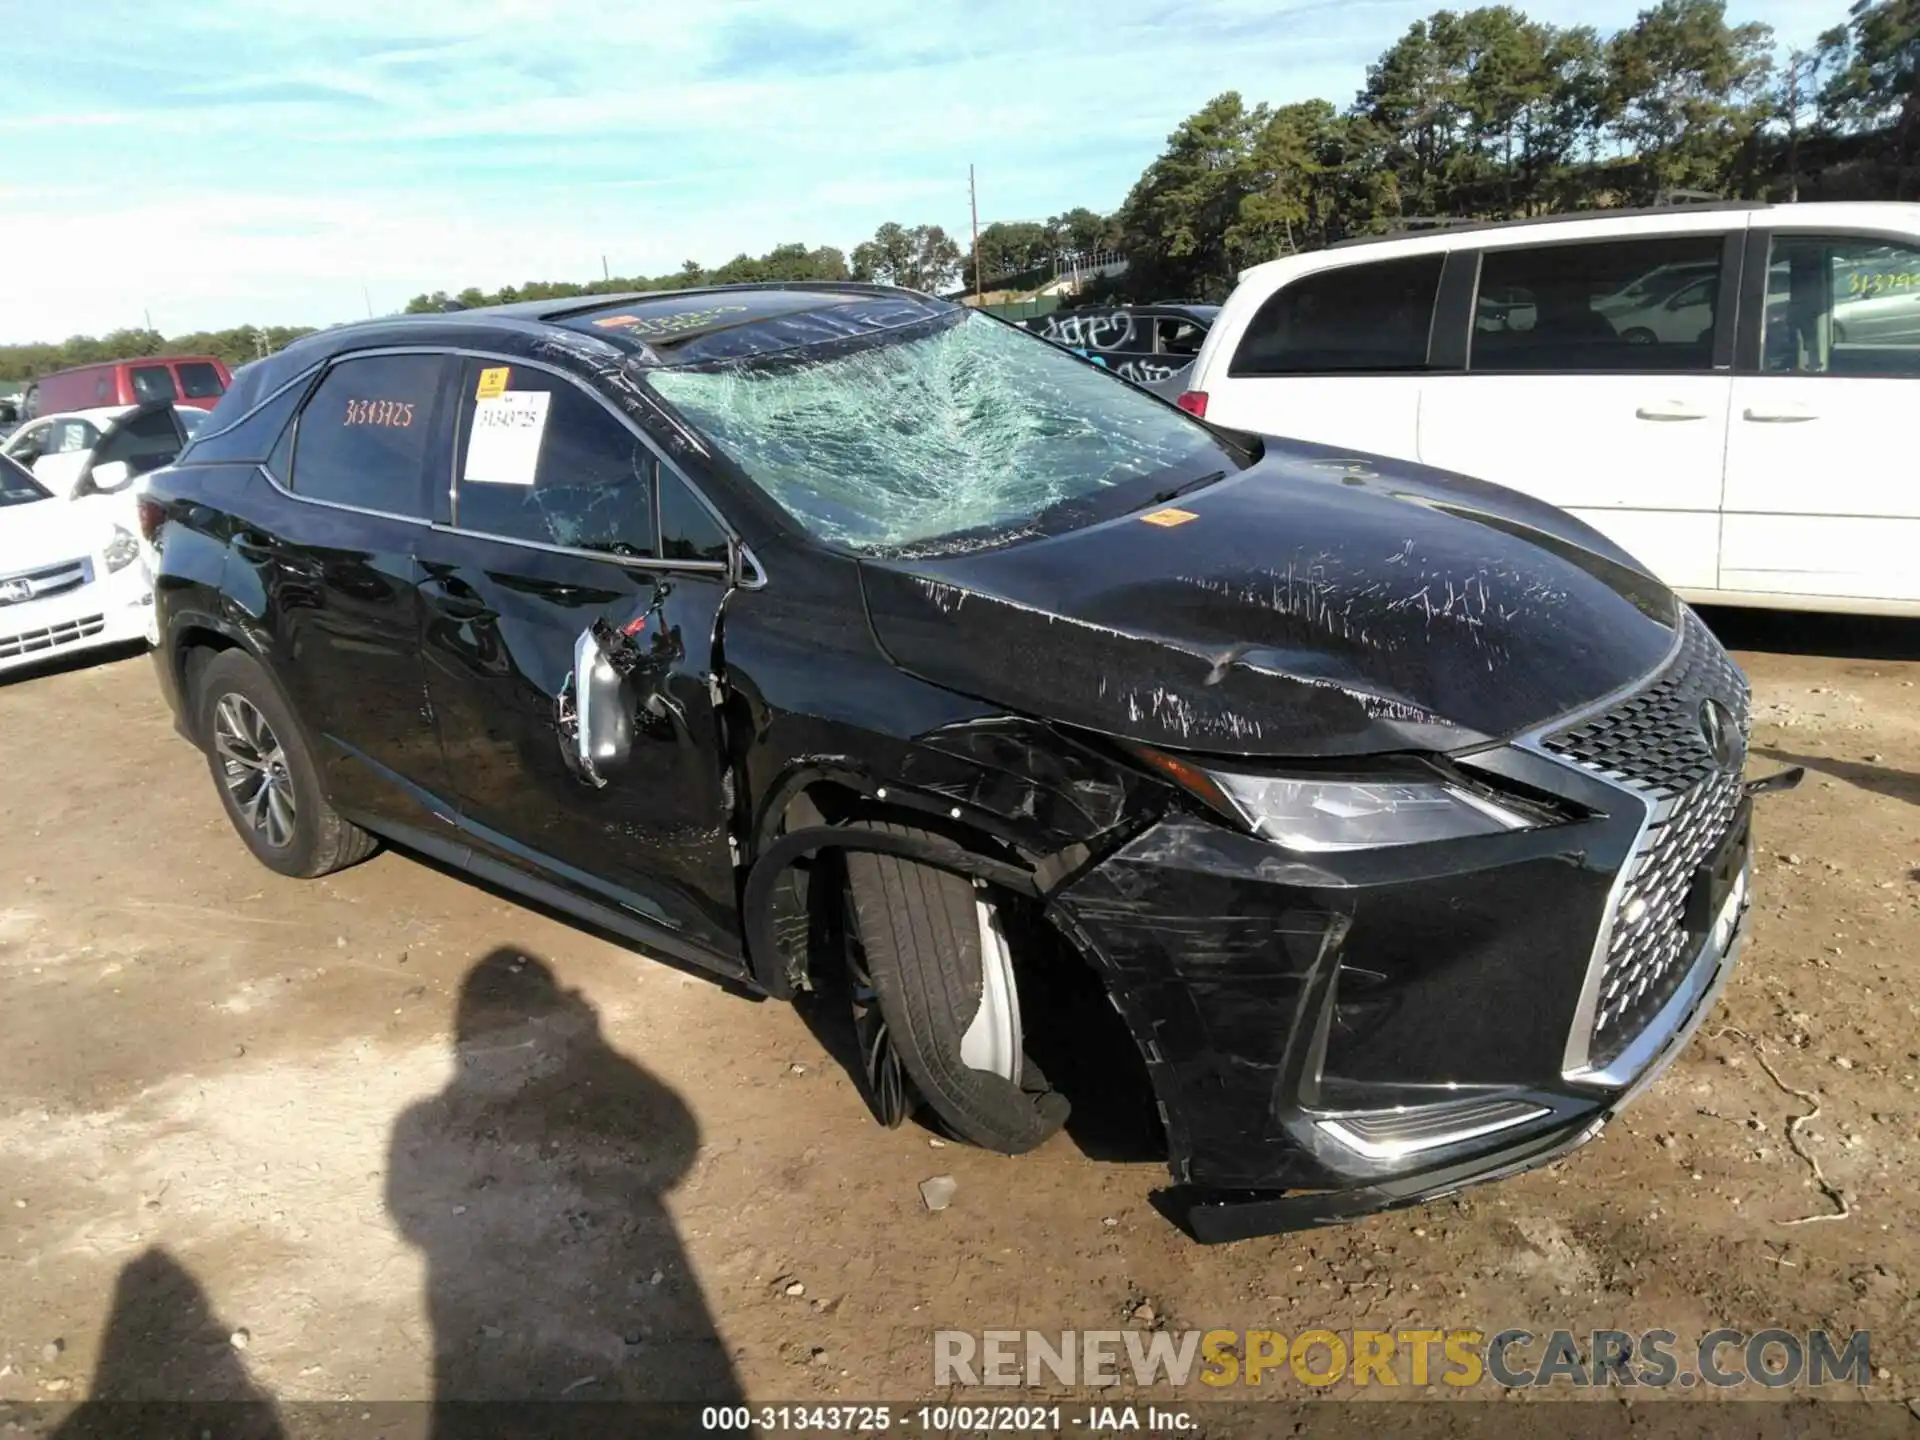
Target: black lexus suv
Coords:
[(837, 632)]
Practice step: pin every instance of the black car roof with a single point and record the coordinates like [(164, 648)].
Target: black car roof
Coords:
[(648, 324)]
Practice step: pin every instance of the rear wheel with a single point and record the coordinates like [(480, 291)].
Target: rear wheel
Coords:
[(265, 774), (937, 1006)]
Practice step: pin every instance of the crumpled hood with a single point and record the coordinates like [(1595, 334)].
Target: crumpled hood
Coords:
[(1317, 603)]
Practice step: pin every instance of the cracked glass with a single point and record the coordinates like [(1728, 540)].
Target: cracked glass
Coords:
[(962, 425)]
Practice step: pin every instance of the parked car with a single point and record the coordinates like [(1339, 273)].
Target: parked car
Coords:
[(60, 449), (68, 573), (1708, 385), (195, 381), (1152, 345), (798, 629)]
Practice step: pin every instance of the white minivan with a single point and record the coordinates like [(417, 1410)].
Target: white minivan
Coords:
[(1722, 389)]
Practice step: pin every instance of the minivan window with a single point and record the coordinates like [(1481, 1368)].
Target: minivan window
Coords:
[(541, 460), (962, 423), (1639, 305), (152, 382), (1368, 319), (1842, 306), (363, 438), (200, 380)]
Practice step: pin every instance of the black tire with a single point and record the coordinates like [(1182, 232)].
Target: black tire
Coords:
[(921, 940), (317, 841), (1640, 335)]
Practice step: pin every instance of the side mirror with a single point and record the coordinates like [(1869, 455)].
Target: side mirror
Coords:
[(104, 478), (601, 712)]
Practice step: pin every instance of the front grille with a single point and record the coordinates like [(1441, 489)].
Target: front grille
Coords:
[(52, 637), (1652, 743), (46, 581)]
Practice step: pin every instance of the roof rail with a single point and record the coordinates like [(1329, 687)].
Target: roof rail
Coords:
[(1559, 217)]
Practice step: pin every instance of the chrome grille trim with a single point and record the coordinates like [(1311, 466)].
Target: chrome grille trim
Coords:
[(51, 637), (1644, 740), (49, 580)]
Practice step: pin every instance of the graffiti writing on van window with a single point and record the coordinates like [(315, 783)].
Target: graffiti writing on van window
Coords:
[(1883, 282), (1143, 371), (669, 324), (393, 414), (1091, 332)]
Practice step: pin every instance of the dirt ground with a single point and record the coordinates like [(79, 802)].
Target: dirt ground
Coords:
[(390, 1136)]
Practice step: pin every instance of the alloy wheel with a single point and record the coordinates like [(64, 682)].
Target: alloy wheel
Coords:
[(254, 767)]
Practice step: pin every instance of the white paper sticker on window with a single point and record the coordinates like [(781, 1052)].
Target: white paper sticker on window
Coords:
[(504, 445)]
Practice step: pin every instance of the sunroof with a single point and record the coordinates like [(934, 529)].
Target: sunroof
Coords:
[(669, 319)]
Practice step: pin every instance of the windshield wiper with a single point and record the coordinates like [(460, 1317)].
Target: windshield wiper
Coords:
[(1174, 492)]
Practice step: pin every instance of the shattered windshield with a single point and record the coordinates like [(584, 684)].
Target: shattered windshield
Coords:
[(971, 425)]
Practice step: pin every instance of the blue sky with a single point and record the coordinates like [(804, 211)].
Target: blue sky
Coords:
[(280, 161)]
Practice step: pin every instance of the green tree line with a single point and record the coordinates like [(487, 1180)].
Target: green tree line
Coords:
[(1476, 114)]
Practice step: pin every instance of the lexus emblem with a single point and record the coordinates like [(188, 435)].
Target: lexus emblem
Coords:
[(1717, 729), (14, 591)]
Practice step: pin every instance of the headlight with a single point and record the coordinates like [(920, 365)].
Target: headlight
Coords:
[(1362, 814), (122, 550)]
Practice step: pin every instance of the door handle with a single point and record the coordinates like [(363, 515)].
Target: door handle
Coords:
[(1781, 415), (455, 600), (1670, 410)]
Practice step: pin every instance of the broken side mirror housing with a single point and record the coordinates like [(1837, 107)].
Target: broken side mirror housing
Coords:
[(602, 712)]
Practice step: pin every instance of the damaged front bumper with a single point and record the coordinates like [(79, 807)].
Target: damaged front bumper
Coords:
[(1337, 1035)]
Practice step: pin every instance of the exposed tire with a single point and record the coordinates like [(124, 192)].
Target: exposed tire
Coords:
[(265, 773), (1639, 335), (920, 939)]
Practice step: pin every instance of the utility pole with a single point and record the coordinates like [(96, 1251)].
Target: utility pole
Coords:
[(147, 315), (973, 202), (605, 274), (367, 295)]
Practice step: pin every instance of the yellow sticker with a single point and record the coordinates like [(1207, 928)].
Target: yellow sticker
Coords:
[(493, 383), (1169, 517)]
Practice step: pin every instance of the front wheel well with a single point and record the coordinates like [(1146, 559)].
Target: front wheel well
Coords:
[(1078, 1033)]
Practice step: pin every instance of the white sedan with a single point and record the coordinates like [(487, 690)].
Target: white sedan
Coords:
[(70, 577)]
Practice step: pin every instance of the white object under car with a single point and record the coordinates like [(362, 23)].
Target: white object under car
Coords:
[(70, 576)]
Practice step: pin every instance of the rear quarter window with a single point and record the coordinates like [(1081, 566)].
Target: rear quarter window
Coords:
[(1355, 319)]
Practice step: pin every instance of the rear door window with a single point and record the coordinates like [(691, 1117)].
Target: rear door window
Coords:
[(1647, 306), (364, 438), (152, 382), (1357, 319), (539, 459), (200, 380)]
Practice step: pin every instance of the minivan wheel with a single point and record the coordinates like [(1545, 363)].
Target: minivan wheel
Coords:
[(265, 773), (936, 1004)]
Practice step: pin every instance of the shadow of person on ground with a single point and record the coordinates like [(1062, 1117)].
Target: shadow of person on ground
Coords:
[(1881, 779), (534, 1183), (168, 1366)]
